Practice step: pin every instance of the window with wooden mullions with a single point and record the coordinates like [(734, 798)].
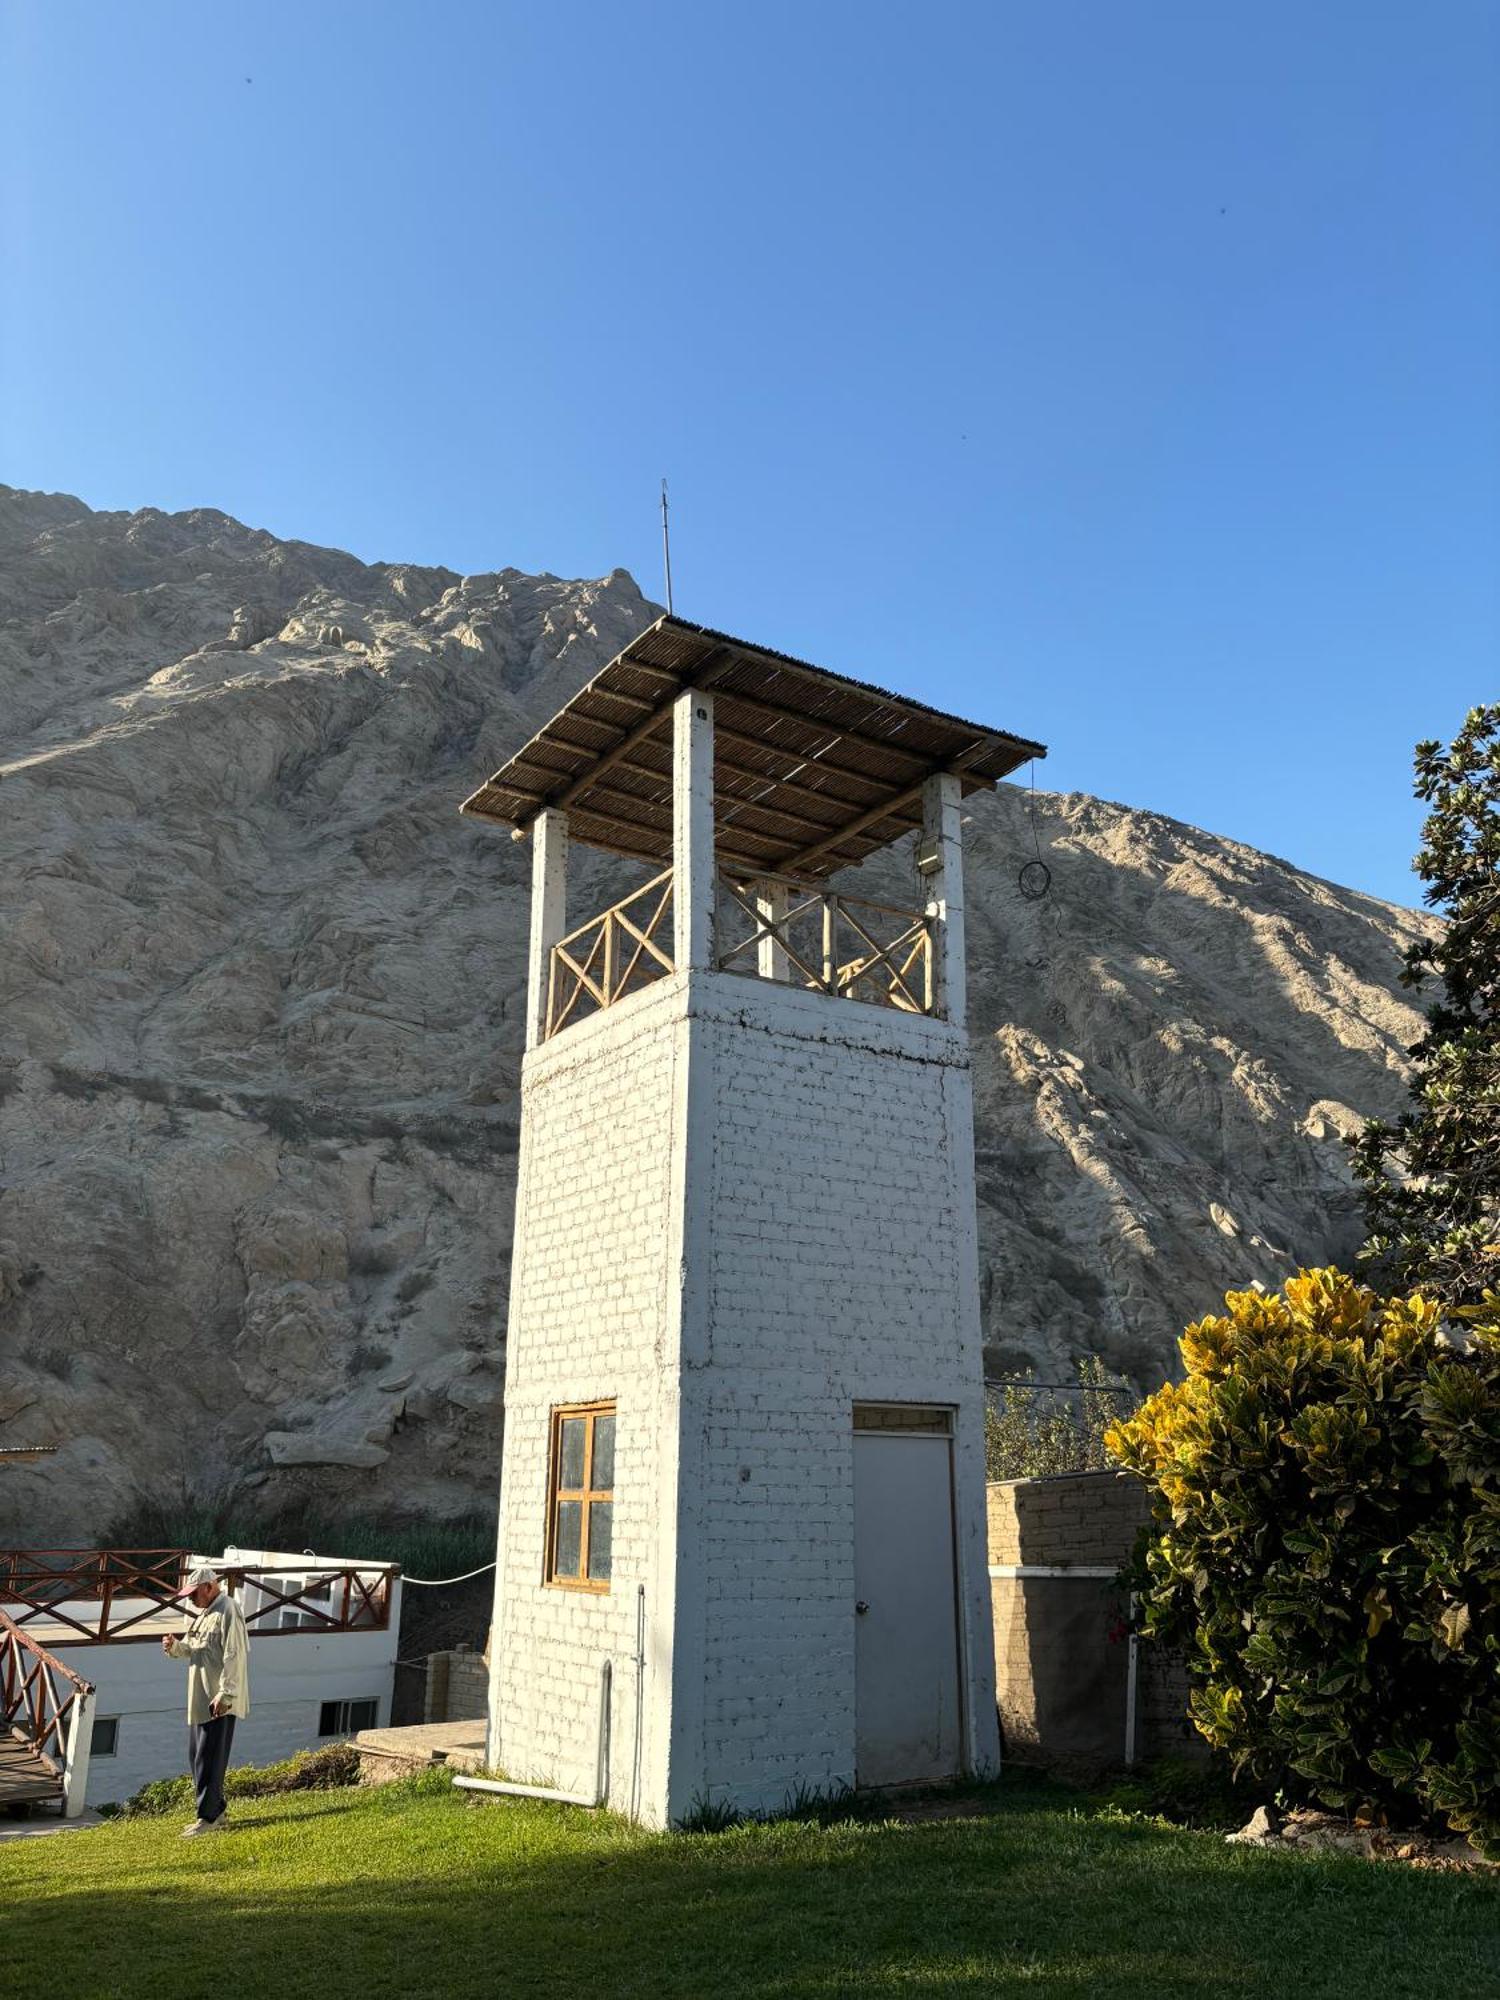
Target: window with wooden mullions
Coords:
[(580, 1511)]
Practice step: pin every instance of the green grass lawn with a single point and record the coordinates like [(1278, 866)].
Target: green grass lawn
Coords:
[(414, 1890)]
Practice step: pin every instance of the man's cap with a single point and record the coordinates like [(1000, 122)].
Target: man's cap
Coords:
[(203, 1573)]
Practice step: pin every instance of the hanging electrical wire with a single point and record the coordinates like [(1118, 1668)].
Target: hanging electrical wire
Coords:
[(437, 1582), (1035, 878)]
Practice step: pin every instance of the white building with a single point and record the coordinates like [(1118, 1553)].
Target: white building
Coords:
[(323, 1638), (742, 1537)]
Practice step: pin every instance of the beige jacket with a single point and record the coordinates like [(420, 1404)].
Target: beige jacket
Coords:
[(217, 1651)]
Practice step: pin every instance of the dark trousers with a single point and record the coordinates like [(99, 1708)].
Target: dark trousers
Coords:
[(208, 1753)]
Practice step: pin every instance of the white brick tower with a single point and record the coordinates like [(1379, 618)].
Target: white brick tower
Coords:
[(742, 1523)]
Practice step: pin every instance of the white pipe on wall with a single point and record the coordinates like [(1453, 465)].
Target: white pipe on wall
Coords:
[(601, 1763), (1098, 1572), (1130, 1685)]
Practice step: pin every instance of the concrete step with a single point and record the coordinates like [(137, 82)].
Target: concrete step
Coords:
[(396, 1753)]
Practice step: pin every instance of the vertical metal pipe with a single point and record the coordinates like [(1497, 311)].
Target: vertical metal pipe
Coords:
[(601, 1770), (666, 546), (640, 1699)]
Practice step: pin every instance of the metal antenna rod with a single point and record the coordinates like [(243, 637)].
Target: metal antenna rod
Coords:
[(666, 545)]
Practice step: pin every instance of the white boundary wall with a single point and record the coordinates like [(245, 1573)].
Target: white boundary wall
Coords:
[(742, 1208)]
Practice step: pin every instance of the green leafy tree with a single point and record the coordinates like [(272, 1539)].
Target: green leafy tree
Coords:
[(1431, 1180), (1326, 1546), (1032, 1431)]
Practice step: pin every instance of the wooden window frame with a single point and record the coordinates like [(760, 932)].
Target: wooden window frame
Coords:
[(587, 1494)]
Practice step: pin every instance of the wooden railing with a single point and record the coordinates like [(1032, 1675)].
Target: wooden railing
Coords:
[(611, 955), (766, 926), (91, 1572), (38, 1696), (772, 927), (353, 1597), (129, 1586), (132, 1589)]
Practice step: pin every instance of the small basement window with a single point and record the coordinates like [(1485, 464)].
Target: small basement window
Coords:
[(581, 1497), (105, 1740), (343, 1718)]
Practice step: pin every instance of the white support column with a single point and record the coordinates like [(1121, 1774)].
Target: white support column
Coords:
[(772, 899), (549, 913), (693, 887), (76, 1755), (942, 840)]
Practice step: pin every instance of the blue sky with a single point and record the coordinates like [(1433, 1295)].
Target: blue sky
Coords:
[(1125, 375)]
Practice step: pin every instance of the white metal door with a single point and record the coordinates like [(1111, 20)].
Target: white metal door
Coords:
[(908, 1721)]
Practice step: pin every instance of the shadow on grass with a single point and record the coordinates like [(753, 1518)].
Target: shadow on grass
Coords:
[(435, 1896), (239, 1819)]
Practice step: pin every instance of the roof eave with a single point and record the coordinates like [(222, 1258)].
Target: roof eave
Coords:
[(988, 746)]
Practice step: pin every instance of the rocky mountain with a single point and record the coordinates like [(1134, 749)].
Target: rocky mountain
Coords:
[(260, 1016)]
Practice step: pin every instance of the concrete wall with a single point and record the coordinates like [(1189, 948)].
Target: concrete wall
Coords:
[(1061, 1641), (741, 1209), (457, 1687)]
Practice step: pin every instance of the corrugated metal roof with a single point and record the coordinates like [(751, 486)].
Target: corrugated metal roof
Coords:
[(812, 770)]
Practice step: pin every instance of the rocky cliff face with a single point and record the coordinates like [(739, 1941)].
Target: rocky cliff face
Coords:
[(260, 1017)]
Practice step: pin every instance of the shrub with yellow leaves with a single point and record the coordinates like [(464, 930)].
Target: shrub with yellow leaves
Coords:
[(1326, 1545)]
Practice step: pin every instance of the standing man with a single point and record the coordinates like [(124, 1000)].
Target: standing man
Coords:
[(218, 1656)]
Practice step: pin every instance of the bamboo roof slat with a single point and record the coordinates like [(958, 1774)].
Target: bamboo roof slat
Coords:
[(728, 776), (819, 754), (819, 775)]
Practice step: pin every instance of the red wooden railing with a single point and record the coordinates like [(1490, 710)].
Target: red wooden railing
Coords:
[(351, 1597), (40, 1581), (37, 1695), (132, 1587)]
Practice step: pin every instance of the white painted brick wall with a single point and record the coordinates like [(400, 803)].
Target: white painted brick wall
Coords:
[(741, 1209), (588, 1321), (840, 1239)]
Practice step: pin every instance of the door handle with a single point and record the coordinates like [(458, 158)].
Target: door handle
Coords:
[(861, 1607)]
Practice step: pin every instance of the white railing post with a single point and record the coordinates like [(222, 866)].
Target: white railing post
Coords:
[(611, 961), (76, 1754), (694, 885), (549, 914), (943, 864), (773, 900)]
